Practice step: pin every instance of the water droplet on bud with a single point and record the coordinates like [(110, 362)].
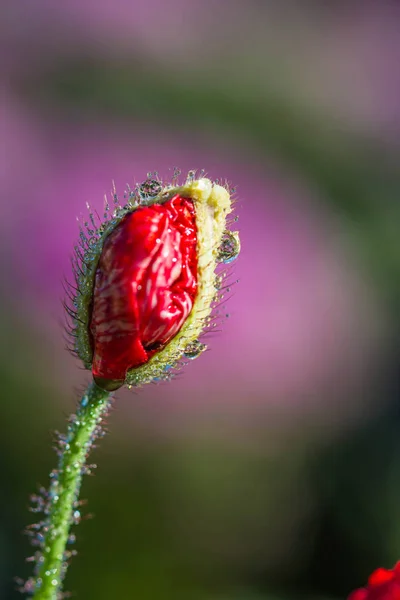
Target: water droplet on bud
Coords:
[(219, 279), (194, 349), (190, 176), (229, 248), (149, 188), (175, 176)]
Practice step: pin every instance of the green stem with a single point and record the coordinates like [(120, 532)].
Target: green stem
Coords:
[(84, 428)]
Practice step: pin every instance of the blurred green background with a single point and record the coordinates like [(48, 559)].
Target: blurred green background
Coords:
[(270, 468)]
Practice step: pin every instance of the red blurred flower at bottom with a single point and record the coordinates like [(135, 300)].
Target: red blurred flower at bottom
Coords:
[(383, 584)]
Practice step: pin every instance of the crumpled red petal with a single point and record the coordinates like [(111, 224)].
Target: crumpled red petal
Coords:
[(145, 286)]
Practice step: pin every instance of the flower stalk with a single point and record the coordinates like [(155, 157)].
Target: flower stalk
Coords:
[(62, 499)]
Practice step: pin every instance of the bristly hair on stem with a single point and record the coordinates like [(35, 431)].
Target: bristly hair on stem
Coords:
[(59, 505)]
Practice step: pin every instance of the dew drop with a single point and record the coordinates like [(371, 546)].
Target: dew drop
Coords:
[(218, 282), (191, 176), (150, 188), (229, 248), (175, 176), (194, 349)]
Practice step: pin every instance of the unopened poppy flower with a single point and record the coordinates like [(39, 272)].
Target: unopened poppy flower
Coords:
[(145, 286), (383, 584), (146, 279)]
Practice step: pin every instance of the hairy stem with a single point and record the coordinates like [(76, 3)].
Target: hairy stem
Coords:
[(61, 507)]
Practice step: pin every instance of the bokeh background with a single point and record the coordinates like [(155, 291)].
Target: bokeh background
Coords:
[(270, 468)]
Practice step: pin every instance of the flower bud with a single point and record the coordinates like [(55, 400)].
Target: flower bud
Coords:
[(146, 280)]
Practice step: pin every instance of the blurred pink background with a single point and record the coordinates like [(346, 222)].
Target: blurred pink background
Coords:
[(269, 448)]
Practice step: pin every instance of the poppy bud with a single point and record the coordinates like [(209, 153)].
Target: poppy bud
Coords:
[(146, 281)]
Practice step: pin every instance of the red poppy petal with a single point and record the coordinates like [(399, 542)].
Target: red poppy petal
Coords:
[(145, 286), (380, 576), (361, 594)]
